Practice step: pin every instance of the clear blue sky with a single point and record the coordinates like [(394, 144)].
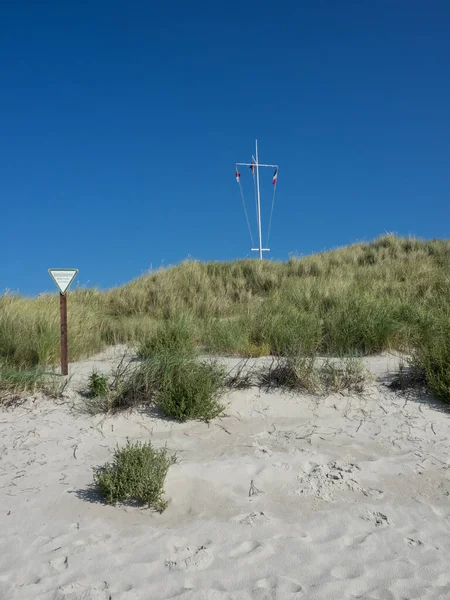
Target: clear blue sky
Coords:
[(121, 122)]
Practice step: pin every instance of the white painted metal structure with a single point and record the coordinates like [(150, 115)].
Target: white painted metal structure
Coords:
[(256, 166)]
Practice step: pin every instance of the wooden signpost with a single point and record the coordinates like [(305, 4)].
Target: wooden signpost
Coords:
[(63, 278)]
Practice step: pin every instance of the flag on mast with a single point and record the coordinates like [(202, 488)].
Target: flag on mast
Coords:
[(275, 177), (252, 167), (238, 176)]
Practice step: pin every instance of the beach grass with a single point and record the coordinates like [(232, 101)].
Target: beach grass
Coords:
[(365, 298)]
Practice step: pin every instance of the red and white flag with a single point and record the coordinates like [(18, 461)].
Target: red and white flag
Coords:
[(275, 177), (238, 176)]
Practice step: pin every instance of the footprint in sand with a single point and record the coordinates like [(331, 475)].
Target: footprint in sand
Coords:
[(373, 493), (190, 558), (282, 465), (262, 451), (323, 480), (244, 548), (413, 543), (60, 564), (352, 572), (353, 541), (253, 518), (252, 551), (281, 585), (377, 518), (83, 543), (76, 591), (443, 580)]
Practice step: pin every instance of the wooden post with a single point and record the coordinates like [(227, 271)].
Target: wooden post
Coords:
[(64, 353)]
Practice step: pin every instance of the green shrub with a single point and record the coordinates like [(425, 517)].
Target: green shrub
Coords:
[(188, 389), (98, 385), (137, 474)]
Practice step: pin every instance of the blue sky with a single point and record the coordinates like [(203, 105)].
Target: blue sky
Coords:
[(121, 122)]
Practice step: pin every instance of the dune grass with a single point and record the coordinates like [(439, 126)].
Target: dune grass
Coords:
[(29, 328), (302, 373), (173, 335), (14, 382), (357, 300), (431, 358)]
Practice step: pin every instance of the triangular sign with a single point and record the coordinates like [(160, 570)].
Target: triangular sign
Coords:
[(63, 278)]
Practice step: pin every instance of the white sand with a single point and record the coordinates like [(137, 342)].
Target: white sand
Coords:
[(349, 500)]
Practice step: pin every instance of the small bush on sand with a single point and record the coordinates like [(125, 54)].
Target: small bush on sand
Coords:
[(137, 474), (189, 389), (307, 373), (98, 385)]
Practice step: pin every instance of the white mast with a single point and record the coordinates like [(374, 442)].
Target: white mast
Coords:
[(256, 164), (259, 204)]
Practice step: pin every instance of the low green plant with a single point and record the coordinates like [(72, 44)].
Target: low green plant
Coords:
[(189, 389), (98, 385), (105, 394), (136, 474)]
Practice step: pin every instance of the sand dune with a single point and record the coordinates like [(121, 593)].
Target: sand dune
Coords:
[(287, 497)]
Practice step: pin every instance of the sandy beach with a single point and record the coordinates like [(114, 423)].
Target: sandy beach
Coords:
[(286, 497)]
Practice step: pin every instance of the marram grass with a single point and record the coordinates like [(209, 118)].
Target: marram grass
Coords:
[(358, 300)]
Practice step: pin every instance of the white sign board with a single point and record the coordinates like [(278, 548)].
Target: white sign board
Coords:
[(63, 278)]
